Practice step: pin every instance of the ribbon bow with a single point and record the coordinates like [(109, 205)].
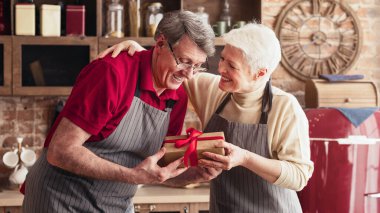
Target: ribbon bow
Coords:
[(192, 139)]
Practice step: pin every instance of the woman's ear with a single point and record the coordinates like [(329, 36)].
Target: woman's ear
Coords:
[(260, 73)]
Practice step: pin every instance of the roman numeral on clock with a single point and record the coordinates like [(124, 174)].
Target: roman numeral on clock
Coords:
[(316, 5), (294, 24)]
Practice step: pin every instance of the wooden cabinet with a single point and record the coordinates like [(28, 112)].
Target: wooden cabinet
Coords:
[(163, 208), (5, 65), (35, 65), (49, 66), (11, 209), (172, 208), (149, 198), (240, 10), (145, 208), (162, 199)]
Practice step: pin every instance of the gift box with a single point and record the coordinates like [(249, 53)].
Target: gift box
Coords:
[(191, 146)]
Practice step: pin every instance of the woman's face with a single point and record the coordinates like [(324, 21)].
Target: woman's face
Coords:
[(235, 71)]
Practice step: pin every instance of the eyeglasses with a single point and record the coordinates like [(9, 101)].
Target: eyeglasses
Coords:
[(185, 66)]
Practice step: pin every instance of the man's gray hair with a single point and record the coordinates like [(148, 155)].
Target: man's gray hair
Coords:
[(177, 23), (259, 44)]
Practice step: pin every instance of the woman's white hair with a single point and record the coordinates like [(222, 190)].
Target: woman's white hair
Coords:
[(259, 45)]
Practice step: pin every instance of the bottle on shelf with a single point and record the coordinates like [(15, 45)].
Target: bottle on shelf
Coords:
[(115, 24), (134, 17), (153, 17), (225, 16), (202, 14)]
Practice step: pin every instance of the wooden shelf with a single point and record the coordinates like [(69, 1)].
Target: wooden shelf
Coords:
[(104, 43), (17, 48), (63, 40), (6, 86)]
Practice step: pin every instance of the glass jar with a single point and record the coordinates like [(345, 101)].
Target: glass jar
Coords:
[(225, 16), (115, 24), (153, 16), (202, 14)]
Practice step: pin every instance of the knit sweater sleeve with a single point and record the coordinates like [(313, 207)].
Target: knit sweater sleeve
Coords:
[(291, 145)]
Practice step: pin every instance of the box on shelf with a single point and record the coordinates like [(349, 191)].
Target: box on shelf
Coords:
[(75, 20), (50, 20), (205, 143), (348, 94), (25, 19)]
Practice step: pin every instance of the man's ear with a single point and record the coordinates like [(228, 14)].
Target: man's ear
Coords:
[(160, 41), (261, 73)]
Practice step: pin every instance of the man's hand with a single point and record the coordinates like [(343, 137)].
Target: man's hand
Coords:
[(129, 45), (203, 174), (194, 175), (148, 172), (235, 156)]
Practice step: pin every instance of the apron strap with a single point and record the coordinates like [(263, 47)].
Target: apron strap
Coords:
[(225, 101), (266, 103)]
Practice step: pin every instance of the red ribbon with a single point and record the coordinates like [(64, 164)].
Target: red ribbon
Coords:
[(193, 136)]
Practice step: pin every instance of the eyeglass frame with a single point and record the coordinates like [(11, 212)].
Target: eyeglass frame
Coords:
[(186, 66)]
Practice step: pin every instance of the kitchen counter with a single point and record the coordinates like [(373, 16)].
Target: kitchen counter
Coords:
[(163, 194), (145, 194), (11, 198)]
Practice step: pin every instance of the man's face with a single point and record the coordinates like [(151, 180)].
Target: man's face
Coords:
[(167, 74)]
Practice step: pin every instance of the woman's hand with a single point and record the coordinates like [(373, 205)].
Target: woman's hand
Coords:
[(128, 45), (235, 156)]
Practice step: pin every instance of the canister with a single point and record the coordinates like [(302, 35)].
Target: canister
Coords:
[(50, 20), (25, 19), (75, 20), (152, 18), (115, 20)]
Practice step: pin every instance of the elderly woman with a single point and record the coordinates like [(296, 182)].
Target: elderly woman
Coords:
[(268, 154)]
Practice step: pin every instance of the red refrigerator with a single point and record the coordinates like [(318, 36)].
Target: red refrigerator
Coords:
[(346, 177)]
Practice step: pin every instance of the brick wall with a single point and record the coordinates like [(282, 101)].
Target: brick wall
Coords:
[(31, 116), (368, 12)]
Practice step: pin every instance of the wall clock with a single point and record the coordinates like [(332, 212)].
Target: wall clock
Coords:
[(318, 37)]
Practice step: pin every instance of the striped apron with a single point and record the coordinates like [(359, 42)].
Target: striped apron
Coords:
[(239, 190), (139, 135)]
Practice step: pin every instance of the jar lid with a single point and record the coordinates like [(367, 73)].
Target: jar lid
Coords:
[(50, 7), (201, 9), (25, 6), (155, 4)]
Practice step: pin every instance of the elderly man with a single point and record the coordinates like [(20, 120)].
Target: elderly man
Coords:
[(107, 139)]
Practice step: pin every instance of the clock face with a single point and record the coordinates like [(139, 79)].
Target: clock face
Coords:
[(318, 37)]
